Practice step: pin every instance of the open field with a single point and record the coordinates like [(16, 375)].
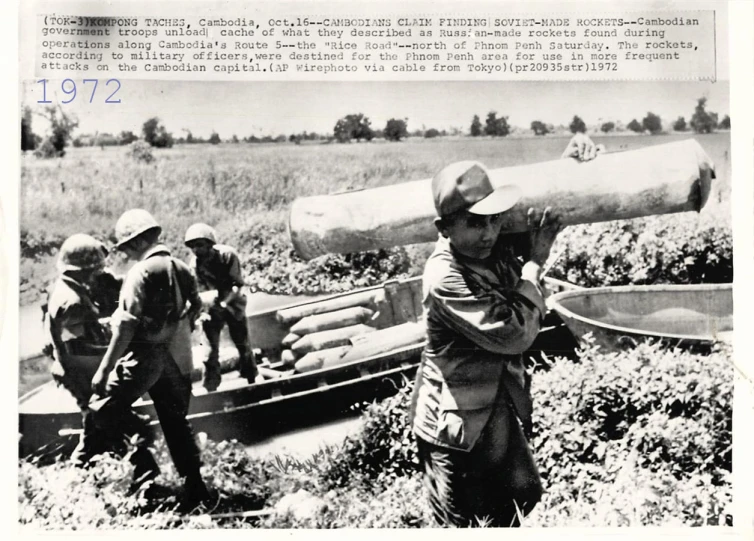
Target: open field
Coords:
[(245, 190)]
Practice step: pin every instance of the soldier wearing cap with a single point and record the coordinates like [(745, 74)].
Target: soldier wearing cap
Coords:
[(217, 266), (150, 350), (471, 408), (78, 340)]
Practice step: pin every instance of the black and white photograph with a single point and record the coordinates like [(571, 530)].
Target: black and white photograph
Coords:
[(292, 297)]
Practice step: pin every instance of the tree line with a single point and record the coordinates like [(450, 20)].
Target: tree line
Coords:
[(701, 121), (356, 126)]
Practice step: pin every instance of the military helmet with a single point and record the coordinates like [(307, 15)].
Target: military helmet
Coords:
[(133, 223), (200, 232), (81, 252)]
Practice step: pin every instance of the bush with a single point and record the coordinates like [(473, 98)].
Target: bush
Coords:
[(655, 422), (140, 151), (271, 265), (383, 451), (655, 250)]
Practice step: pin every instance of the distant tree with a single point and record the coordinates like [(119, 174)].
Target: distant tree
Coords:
[(496, 126), (234, 139), (155, 134), (577, 125), (701, 120), (476, 126), (490, 125), (431, 133), (635, 126), (28, 139), (354, 126), (214, 138), (281, 138), (607, 127), (539, 128), (395, 129), (680, 124), (724, 123), (189, 137), (127, 137), (652, 123), (61, 132)]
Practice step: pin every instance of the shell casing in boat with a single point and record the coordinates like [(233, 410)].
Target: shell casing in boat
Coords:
[(332, 320)]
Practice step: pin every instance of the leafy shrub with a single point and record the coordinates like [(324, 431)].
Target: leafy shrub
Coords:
[(383, 450), (271, 265), (678, 249), (141, 151), (656, 420)]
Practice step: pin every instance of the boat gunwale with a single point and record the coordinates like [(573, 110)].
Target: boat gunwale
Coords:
[(554, 304), (314, 375)]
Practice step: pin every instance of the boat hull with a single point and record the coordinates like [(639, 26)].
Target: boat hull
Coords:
[(692, 317)]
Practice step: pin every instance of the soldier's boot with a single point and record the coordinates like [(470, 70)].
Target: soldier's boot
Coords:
[(195, 493), (247, 364), (212, 376)]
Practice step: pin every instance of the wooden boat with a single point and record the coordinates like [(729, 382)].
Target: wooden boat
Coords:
[(371, 368), (687, 316)]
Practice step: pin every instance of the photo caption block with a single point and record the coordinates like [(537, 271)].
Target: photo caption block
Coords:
[(640, 45)]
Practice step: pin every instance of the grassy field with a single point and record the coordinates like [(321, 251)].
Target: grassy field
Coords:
[(244, 190)]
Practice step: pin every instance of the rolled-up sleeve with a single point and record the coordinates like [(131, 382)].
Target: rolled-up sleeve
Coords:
[(132, 298), (505, 322)]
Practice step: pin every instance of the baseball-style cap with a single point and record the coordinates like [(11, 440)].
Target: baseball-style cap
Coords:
[(466, 186)]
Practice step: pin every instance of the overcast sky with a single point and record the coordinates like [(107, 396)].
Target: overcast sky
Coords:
[(273, 108)]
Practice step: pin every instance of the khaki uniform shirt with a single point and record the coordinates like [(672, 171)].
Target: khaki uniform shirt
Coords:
[(480, 316), (221, 271), (154, 295), (73, 330)]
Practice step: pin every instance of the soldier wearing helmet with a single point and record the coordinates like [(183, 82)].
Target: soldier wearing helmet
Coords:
[(77, 341), (216, 266), (151, 346)]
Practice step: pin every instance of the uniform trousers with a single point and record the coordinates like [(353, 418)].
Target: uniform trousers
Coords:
[(149, 368), (115, 439), (239, 333), (497, 480)]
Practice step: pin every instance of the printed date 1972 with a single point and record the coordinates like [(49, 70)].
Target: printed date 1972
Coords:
[(70, 89)]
